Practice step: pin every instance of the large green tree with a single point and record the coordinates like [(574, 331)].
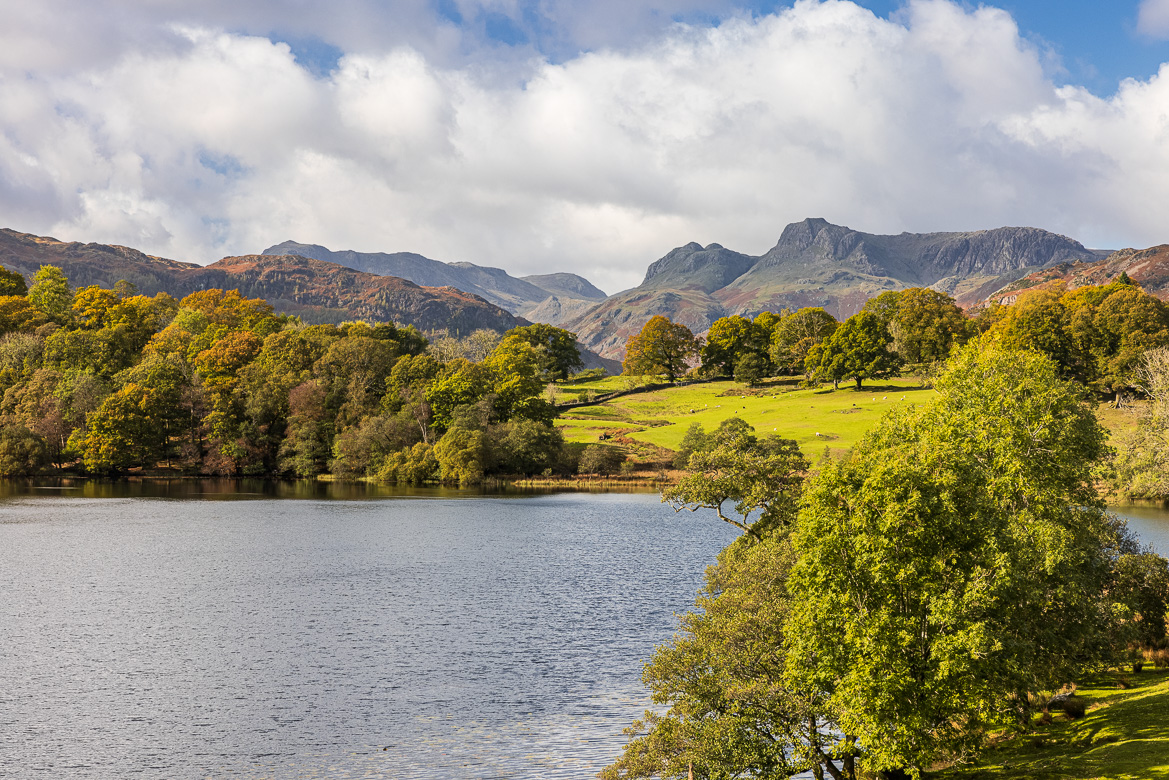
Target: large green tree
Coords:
[(924, 323), (859, 349), (661, 348), (724, 709), (728, 341), (955, 562), (51, 293), (794, 336), (559, 355), (760, 475)]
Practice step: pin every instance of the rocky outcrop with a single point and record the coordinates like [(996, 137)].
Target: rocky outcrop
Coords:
[(1147, 267)]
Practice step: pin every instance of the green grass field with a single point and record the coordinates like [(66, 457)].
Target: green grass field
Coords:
[(840, 417), (1124, 735), (814, 418)]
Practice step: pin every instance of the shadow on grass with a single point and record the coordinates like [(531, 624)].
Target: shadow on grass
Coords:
[(1127, 738)]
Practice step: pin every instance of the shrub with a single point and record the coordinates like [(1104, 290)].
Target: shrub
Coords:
[(410, 466), (22, 452), (460, 456), (600, 459)]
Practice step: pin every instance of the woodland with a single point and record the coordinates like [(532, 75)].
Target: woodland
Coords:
[(108, 382)]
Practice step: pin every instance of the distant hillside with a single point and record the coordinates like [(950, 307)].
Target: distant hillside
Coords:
[(568, 286), (315, 290), (816, 263), (519, 296), (87, 264), (1147, 267)]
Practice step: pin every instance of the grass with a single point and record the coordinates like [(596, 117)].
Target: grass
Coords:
[(660, 418), (1124, 735), (813, 418)]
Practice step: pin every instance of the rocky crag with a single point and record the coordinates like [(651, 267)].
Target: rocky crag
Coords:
[(816, 263)]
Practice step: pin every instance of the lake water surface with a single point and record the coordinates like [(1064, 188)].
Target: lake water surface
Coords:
[(194, 630), (399, 637)]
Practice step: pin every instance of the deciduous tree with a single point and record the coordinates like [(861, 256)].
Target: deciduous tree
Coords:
[(858, 349), (956, 561), (662, 347)]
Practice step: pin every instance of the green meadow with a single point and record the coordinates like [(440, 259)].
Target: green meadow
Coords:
[(815, 418), (1125, 734)]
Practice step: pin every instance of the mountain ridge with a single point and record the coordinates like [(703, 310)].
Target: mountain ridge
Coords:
[(517, 295), (817, 263), (315, 290)]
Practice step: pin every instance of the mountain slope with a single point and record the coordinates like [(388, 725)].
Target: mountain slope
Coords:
[(1147, 267), (87, 264), (568, 286), (493, 284), (816, 263), (315, 290)]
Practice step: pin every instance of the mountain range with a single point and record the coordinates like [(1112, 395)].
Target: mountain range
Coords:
[(314, 290), (814, 263), (558, 294)]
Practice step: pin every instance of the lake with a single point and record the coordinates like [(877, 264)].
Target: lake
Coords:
[(425, 635), (276, 630)]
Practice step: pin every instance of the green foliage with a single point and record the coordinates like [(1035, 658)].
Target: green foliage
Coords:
[(22, 452), (412, 466), (1141, 583), (1097, 334), (515, 378), (761, 475), (661, 348), (751, 368), (729, 341), (1143, 452), (529, 447), (694, 440), (603, 459), (307, 448), (460, 383), (729, 712), (362, 449), (1039, 321), (125, 430), (858, 349), (558, 352), (460, 455), (51, 293), (12, 283), (794, 336), (18, 314), (925, 324), (954, 562)]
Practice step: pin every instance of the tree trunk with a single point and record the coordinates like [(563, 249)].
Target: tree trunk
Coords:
[(858, 383), (835, 383)]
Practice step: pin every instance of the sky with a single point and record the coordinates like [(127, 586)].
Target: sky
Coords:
[(591, 137)]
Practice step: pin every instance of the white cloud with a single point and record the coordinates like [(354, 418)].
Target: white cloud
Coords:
[(1153, 18), (219, 143)]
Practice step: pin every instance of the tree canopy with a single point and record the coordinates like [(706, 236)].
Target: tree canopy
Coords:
[(661, 348), (956, 562), (859, 349)]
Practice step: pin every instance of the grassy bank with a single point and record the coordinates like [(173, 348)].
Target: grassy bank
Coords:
[(1125, 734)]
